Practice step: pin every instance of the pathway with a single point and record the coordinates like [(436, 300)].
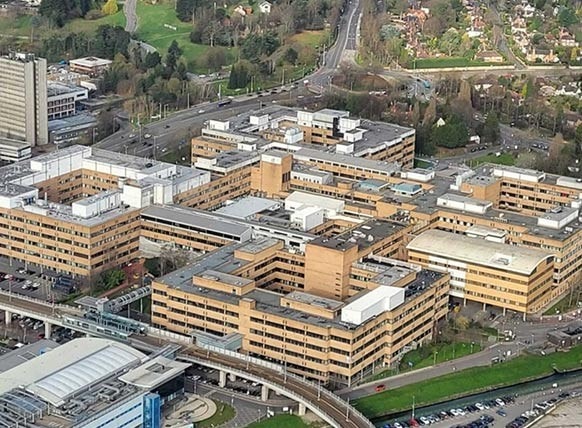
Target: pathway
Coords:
[(130, 11)]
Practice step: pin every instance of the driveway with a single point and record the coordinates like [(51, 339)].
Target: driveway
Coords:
[(129, 9)]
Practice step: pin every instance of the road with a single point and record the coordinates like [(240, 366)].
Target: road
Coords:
[(309, 392), (502, 42), (130, 12), (346, 41), (169, 132), (527, 334)]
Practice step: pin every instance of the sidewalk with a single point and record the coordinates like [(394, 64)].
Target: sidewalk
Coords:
[(482, 358)]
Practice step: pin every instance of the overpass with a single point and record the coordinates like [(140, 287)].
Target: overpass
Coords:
[(328, 406)]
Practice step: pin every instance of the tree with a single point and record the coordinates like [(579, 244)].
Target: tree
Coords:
[(491, 128), (110, 8), (452, 134), (173, 55), (256, 46), (291, 56), (185, 9), (450, 41), (152, 59), (111, 279), (567, 17), (61, 11), (578, 137), (462, 322), (238, 77)]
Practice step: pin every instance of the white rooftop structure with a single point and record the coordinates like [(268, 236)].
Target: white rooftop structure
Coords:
[(464, 203), (246, 208), (70, 369), (298, 200), (372, 303), (461, 248)]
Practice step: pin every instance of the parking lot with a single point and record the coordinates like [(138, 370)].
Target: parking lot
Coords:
[(28, 281), (199, 375), (507, 411)]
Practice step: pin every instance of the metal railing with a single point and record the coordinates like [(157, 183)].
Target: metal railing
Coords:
[(292, 394), (281, 369)]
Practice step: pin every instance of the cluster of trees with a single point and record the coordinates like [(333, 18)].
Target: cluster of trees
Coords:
[(106, 42), (110, 279), (59, 12), (383, 42), (239, 76)]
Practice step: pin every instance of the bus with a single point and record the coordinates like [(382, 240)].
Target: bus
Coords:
[(224, 102)]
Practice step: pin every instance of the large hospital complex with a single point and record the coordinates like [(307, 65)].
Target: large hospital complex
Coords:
[(318, 245)]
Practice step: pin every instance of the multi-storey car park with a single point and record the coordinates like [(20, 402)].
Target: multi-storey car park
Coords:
[(326, 231)]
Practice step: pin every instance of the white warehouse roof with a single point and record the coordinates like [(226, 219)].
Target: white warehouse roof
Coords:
[(478, 251), (296, 199), (381, 299), (70, 368)]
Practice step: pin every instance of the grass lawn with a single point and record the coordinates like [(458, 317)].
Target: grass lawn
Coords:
[(563, 305), (420, 163), (503, 159), (427, 356), (224, 413), (88, 26), (19, 26), (310, 38), (280, 421), (468, 381), (445, 62), (151, 29)]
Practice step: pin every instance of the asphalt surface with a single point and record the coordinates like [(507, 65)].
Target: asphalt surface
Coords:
[(309, 392), (170, 131), (527, 334), (176, 128), (129, 9)]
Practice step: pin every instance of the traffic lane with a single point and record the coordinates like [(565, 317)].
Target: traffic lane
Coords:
[(178, 123)]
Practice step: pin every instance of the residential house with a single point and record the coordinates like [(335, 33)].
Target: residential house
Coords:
[(542, 55), (265, 7), (570, 90), (567, 39), (489, 56)]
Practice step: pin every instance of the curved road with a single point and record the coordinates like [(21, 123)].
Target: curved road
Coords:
[(341, 412), (130, 12)]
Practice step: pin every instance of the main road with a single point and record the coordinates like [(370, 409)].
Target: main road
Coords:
[(169, 132)]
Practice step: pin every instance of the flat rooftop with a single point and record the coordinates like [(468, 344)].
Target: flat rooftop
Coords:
[(511, 258), (385, 168), (247, 207), (18, 356), (313, 300), (363, 236), (193, 219)]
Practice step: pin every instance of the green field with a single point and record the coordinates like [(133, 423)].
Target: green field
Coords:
[(224, 413), (503, 159), (310, 38), (88, 26), (468, 381), (428, 355), (151, 29), (19, 26), (280, 421), (446, 62)]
